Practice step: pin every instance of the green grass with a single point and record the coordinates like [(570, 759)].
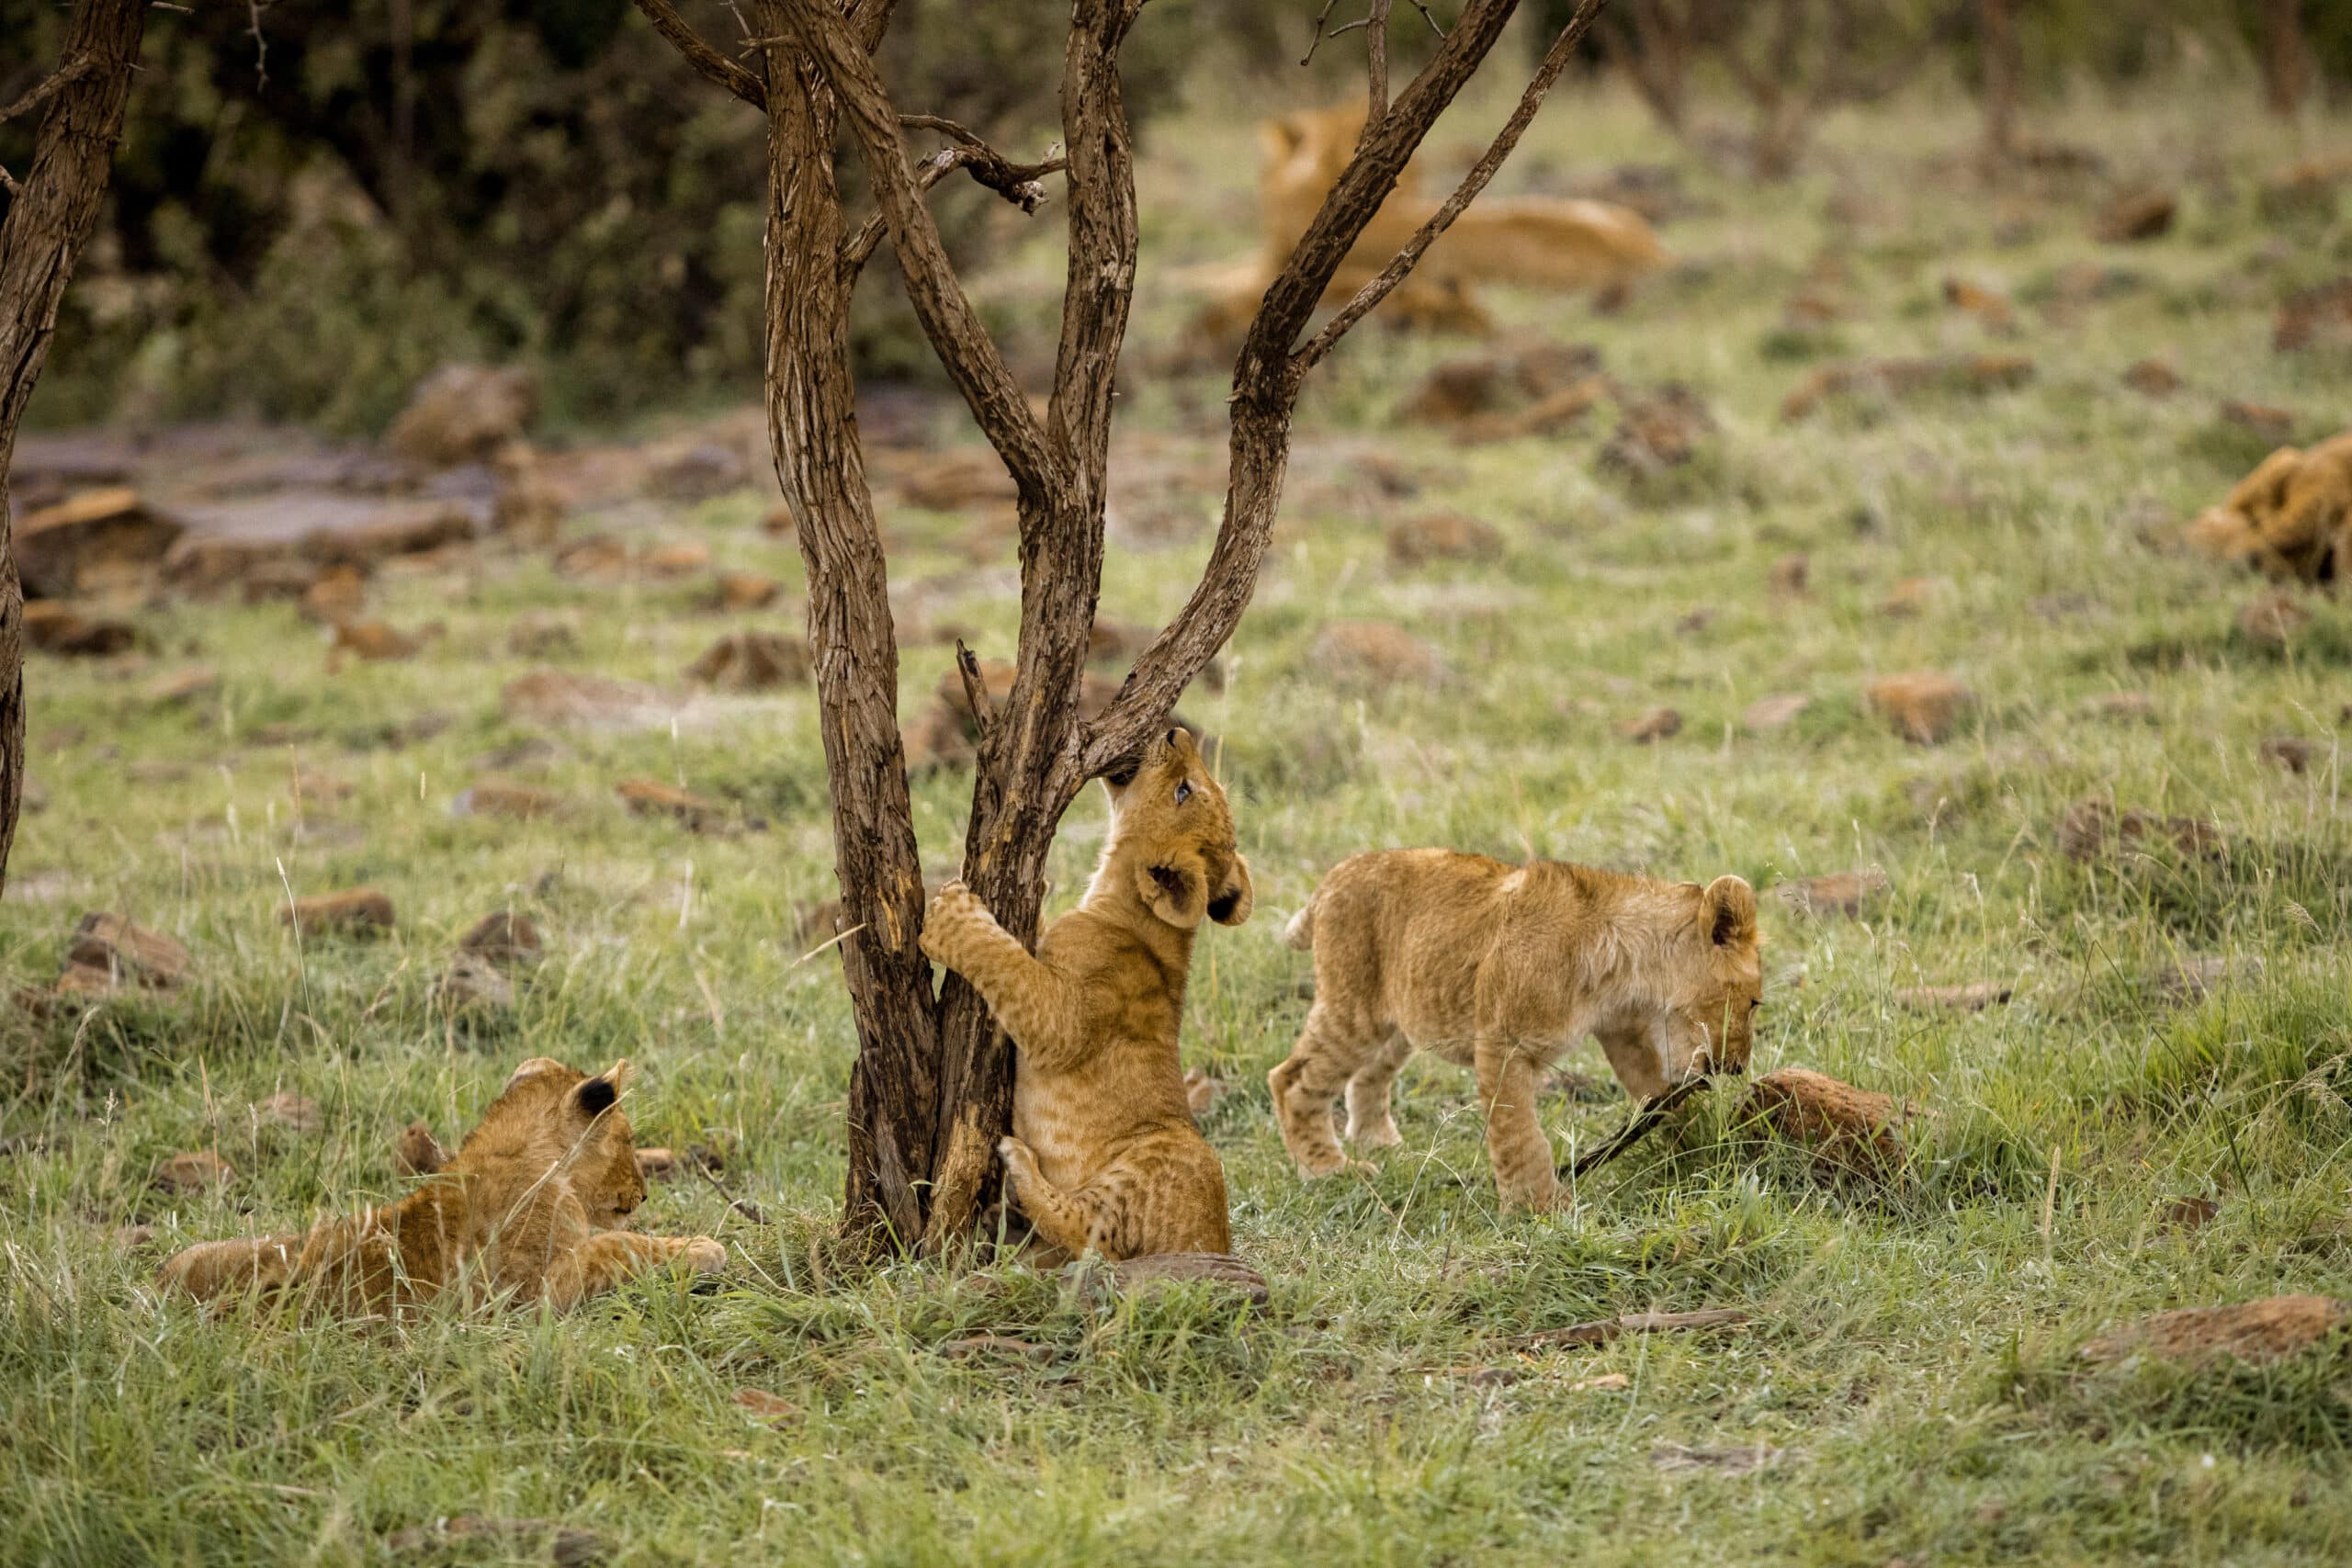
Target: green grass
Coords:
[(1911, 1354)]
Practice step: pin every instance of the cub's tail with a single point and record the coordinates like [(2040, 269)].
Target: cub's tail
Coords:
[(1300, 932)]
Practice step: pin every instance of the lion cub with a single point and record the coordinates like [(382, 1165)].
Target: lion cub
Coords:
[(1103, 1156), (532, 1204), (1502, 968)]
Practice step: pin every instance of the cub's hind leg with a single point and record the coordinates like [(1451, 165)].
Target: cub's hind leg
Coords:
[(1331, 1049), (1369, 1123), (1059, 1218)]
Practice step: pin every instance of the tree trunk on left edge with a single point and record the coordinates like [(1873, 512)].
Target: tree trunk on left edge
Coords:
[(49, 220)]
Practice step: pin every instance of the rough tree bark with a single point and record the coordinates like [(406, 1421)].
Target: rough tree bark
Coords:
[(52, 208), (2285, 58), (931, 1087), (1652, 42), (1808, 64), (2004, 64)]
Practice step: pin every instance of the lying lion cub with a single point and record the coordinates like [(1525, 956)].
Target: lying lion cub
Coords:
[(1104, 1157), (532, 1204), (1502, 968)]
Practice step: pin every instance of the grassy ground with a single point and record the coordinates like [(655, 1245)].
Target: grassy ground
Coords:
[(1905, 1393)]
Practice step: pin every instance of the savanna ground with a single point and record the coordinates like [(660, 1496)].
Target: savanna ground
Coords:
[(1907, 1389)]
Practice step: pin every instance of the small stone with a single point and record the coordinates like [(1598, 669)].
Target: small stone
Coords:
[(761, 1405), (542, 635), (1768, 714), (111, 944), (657, 1165), (373, 640), (473, 982), (197, 1170), (471, 1536), (746, 591), (464, 414), (650, 798), (502, 797), (1988, 306), (2314, 316), (1375, 655), (2092, 830), (182, 685), (1657, 431), (131, 1238), (998, 1346), (1972, 997), (358, 911), (1851, 1131), (101, 543), (1228, 1273), (1202, 1092), (51, 626), (2189, 1213), (2153, 378), (295, 1112), (502, 938), (2272, 620), (694, 471), (1657, 725), (1923, 708), (556, 697), (1791, 574), (334, 596), (1907, 598), (1445, 535), (2257, 1332), (2270, 422), (2136, 216), (2135, 706), (1836, 893), (2293, 752), (687, 558), (751, 661), (417, 1151)]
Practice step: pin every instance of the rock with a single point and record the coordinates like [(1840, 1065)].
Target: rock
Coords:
[(2136, 706), (1706, 1320), (598, 558), (417, 1151), (555, 698), (387, 533), (1894, 378), (1202, 1092), (1851, 1132), (2189, 1215), (1445, 535), (373, 641), (54, 628), (1768, 714), (538, 636), (1988, 306), (1675, 1459), (473, 982), (2271, 424), (993, 1346), (2135, 216), (184, 685), (132, 1238), (358, 911), (2305, 190), (197, 1170), (2313, 317), (333, 597), (295, 1112), (650, 798), (1791, 574), (472, 1535), (2092, 830), (503, 938), (528, 507), (1907, 598), (2272, 620), (953, 481), (1661, 430), (2183, 980), (2292, 752), (1922, 707), (686, 557), (761, 1405), (751, 661), (1836, 893), (745, 591), (2257, 1332), (1656, 725), (1454, 391), (1374, 655), (502, 797), (1229, 1274), (1972, 997), (1113, 641), (694, 471), (114, 945), (1551, 415), (2153, 378), (657, 1165), (464, 414), (100, 543)]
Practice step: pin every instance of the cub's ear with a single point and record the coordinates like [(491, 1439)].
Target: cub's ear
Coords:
[(1237, 898), (532, 1068), (1177, 894), (1728, 911), (597, 1095)]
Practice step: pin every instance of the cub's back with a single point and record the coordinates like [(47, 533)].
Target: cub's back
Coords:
[(1400, 933)]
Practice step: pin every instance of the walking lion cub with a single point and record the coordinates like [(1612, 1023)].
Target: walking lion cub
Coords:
[(1502, 968), (1103, 1156), (531, 1205)]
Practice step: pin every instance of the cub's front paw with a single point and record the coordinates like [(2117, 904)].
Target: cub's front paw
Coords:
[(950, 909), (704, 1256)]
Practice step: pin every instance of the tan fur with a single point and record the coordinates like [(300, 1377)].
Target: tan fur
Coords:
[(2291, 518), (532, 1204), (1104, 1157), (1502, 968)]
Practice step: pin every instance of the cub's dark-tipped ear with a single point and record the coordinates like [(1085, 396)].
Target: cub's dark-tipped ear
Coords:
[(1236, 898), (1728, 911), (597, 1095)]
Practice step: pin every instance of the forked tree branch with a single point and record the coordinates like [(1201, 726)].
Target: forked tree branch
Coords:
[(1555, 61), (47, 87), (715, 67), (966, 351), (1017, 182), (1267, 374)]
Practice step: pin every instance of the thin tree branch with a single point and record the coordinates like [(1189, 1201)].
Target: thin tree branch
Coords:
[(1555, 61), (858, 249), (966, 352), (1017, 182), (1375, 40), (715, 67), (47, 87)]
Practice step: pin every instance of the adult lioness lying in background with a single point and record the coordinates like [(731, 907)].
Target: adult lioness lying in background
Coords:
[(532, 1204), (1502, 968), (1103, 1156)]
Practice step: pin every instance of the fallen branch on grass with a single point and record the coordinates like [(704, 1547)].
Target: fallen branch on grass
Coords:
[(1645, 1119)]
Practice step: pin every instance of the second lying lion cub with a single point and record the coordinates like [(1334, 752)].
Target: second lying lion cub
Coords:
[(1502, 968), (1104, 1157)]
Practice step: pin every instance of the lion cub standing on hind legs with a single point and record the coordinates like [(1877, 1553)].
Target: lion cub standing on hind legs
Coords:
[(1103, 1156), (1502, 968)]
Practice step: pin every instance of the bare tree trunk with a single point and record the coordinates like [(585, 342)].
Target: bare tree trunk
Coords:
[(2286, 57), (51, 210), (931, 1089), (1650, 42), (2003, 65)]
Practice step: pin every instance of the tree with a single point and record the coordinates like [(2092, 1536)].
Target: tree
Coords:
[(2004, 62), (930, 1090), (51, 211), (1809, 59), (1653, 43), (2285, 58)]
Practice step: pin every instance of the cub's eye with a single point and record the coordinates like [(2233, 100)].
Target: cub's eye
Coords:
[(1183, 791)]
